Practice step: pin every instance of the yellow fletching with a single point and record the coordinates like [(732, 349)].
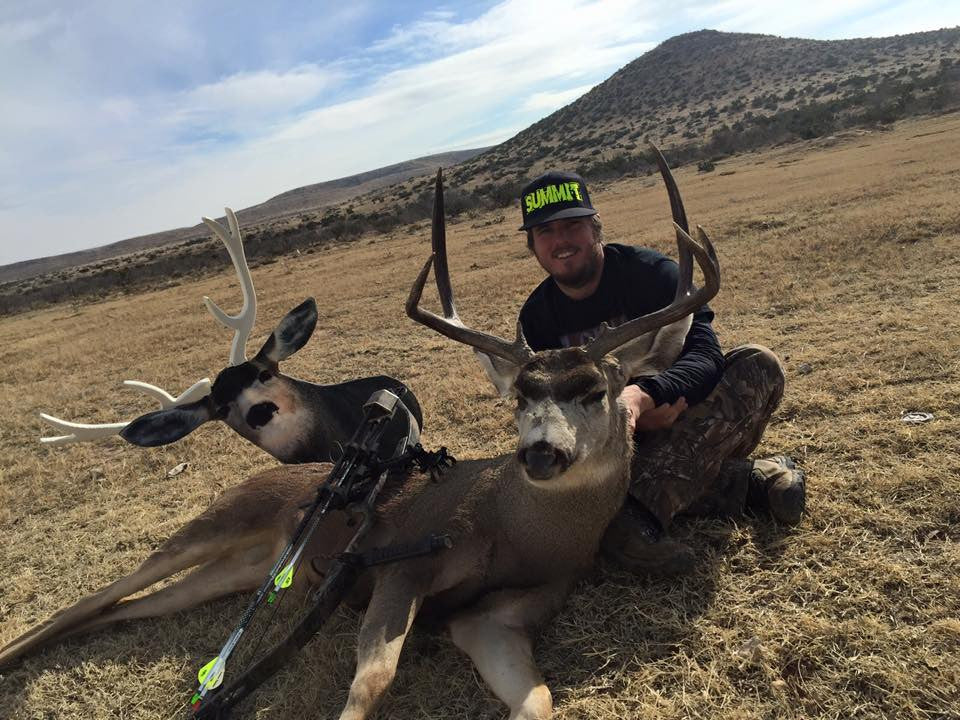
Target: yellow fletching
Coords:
[(285, 578), (204, 675)]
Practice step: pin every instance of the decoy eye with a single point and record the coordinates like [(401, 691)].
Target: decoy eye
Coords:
[(264, 376), (594, 397)]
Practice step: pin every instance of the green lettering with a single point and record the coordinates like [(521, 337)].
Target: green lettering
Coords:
[(552, 195), (528, 201), (575, 186), (541, 198)]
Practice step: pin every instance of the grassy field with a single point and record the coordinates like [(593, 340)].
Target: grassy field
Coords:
[(841, 255)]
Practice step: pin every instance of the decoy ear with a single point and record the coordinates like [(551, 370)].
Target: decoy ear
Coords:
[(291, 334), (163, 427)]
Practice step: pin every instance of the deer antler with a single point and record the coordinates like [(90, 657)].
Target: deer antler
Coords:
[(450, 325), (684, 303), (685, 300), (82, 432), (242, 323), (679, 217)]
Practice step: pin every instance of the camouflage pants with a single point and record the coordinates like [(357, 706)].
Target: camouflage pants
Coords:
[(678, 469)]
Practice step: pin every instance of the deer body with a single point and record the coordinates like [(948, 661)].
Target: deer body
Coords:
[(508, 533), (293, 420)]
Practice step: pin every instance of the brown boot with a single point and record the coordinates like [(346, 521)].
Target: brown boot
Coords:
[(727, 498), (635, 542), (778, 487)]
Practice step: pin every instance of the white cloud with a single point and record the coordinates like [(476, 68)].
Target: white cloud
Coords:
[(22, 30), (547, 102), (246, 101), (828, 19)]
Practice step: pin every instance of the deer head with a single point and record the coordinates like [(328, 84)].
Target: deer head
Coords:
[(245, 396), (566, 400)]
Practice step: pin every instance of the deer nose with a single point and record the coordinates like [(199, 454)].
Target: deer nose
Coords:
[(542, 460)]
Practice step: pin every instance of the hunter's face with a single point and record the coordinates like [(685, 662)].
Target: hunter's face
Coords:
[(568, 250)]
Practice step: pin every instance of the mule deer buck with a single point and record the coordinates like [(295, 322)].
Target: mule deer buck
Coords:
[(294, 420), (524, 526)]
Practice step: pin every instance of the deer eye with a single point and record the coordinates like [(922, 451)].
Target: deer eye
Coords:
[(594, 397), (264, 376), (521, 403)]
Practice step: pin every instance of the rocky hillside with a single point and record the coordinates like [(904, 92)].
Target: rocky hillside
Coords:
[(696, 88)]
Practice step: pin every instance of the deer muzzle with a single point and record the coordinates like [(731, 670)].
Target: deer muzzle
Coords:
[(543, 461)]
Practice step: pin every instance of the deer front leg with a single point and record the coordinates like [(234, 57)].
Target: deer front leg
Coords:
[(393, 606), (498, 634)]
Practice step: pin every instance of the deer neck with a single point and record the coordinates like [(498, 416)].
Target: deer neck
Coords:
[(281, 419), (574, 509)]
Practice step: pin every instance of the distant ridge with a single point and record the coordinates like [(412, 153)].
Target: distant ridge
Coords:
[(308, 198)]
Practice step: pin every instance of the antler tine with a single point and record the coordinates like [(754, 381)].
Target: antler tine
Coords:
[(438, 242), (450, 325), (679, 217), (517, 352), (83, 432), (686, 301), (242, 323)]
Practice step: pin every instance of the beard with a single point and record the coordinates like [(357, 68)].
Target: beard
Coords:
[(585, 274)]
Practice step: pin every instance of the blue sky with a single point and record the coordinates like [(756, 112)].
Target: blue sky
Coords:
[(124, 118)]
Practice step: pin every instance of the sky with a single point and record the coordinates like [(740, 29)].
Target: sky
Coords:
[(129, 117)]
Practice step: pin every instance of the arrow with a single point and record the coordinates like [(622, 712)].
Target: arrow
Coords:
[(283, 580), (210, 677), (211, 674)]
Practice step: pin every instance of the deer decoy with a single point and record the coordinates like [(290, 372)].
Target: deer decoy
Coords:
[(293, 420)]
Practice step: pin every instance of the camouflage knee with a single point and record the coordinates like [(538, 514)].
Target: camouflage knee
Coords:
[(757, 371)]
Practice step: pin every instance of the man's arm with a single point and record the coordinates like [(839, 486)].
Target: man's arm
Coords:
[(696, 371), (698, 368)]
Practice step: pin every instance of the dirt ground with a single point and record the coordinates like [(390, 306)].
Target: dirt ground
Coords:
[(840, 255)]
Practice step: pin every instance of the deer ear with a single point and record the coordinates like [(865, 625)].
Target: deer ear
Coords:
[(163, 427), (502, 373), (655, 351), (616, 374), (291, 334)]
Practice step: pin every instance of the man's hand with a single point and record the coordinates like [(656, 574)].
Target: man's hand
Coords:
[(643, 413)]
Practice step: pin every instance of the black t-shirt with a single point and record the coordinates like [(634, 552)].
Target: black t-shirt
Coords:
[(636, 281)]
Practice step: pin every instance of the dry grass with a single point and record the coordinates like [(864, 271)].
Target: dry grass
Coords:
[(842, 258)]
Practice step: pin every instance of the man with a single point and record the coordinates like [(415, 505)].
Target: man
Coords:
[(696, 423)]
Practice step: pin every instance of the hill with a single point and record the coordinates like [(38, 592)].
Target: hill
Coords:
[(701, 96), (695, 88)]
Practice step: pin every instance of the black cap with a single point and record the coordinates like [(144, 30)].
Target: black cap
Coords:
[(554, 196)]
